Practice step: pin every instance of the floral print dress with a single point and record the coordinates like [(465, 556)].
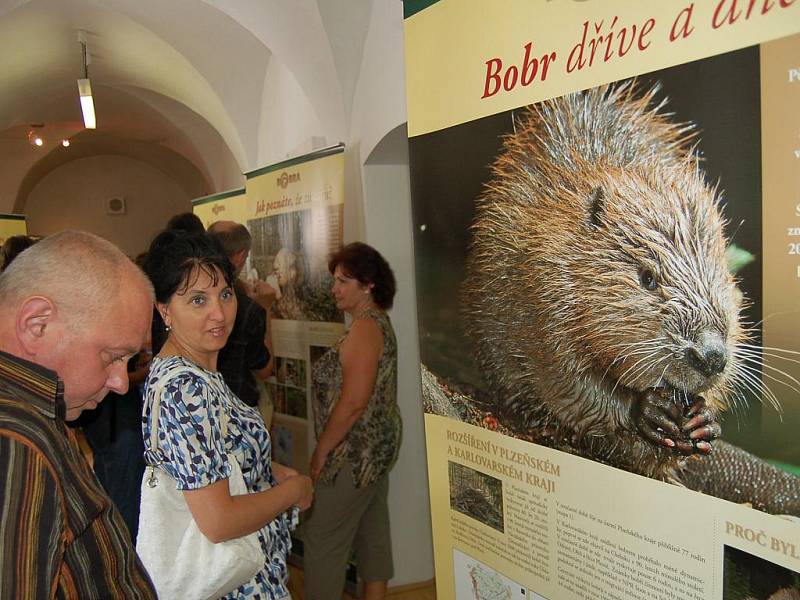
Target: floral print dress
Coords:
[(192, 451), (371, 446)]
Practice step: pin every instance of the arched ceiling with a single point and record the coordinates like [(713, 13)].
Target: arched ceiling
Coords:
[(158, 79), (186, 76)]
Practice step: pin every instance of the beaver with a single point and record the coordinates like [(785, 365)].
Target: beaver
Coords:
[(783, 594), (598, 296)]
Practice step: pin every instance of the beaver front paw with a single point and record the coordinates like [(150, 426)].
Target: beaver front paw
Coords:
[(701, 426), (666, 422)]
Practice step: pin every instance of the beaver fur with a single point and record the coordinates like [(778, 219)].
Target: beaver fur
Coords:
[(598, 286)]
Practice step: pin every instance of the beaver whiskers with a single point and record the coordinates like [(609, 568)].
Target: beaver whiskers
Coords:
[(751, 366)]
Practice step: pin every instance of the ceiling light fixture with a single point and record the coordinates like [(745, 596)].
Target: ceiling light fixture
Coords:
[(65, 143), (85, 88), (34, 137)]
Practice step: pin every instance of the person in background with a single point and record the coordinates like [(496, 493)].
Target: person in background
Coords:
[(193, 281), (245, 359), (358, 429), (73, 310), (13, 246), (114, 433), (188, 222)]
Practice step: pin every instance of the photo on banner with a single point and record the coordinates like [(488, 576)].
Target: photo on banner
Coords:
[(729, 141), (295, 216), (604, 271)]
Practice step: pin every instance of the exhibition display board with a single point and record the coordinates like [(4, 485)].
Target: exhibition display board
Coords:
[(606, 201), (224, 206), (295, 214), (11, 225)]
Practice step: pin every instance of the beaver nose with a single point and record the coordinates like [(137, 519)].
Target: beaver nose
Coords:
[(708, 355)]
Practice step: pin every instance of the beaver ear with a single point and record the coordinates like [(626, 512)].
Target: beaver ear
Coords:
[(596, 203)]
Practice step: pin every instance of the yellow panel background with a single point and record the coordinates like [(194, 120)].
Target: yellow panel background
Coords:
[(449, 43), (10, 227), (318, 182), (232, 208), (597, 516)]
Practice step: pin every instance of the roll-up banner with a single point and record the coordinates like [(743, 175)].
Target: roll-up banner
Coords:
[(606, 201), (11, 225), (230, 205), (295, 214)]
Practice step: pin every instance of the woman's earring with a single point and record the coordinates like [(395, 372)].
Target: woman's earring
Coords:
[(167, 326)]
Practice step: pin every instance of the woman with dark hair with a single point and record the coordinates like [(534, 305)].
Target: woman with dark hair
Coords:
[(188, 222), (358, 433), (203, 428)]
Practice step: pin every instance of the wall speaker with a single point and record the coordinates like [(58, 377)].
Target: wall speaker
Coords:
[(115, 205)]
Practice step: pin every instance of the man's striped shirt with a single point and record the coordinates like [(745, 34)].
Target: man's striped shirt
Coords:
[(60, 535)]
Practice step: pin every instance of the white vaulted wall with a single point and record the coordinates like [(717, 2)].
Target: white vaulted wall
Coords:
[(288, 121), (74, 196)]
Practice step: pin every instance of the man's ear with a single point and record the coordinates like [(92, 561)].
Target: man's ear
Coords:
[(34, 316), (239, 258)]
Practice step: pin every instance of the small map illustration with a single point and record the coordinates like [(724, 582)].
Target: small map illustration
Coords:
[(477, 581)]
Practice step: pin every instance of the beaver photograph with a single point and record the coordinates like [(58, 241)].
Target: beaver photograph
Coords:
[(604, 308)]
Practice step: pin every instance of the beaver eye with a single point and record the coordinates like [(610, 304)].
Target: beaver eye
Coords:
[(648, 279)]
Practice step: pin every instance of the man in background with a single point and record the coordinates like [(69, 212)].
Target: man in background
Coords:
[(245, 361), (73, 310)]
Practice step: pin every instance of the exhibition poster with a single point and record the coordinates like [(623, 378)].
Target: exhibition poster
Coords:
[(11, 225), (295, 215), (606, 202), (224, 206)]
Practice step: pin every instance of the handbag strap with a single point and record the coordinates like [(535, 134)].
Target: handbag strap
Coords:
[(152, 480)]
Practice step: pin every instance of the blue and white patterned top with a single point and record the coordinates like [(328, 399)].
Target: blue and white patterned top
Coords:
[(195, 455)]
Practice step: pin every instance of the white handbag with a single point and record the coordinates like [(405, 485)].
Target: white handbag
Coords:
[(181, 561)]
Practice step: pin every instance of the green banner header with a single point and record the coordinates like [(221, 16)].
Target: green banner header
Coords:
[(412, 7), (297, 160), (217, 197)]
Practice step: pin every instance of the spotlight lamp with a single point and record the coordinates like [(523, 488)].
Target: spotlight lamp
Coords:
[(34, 136)]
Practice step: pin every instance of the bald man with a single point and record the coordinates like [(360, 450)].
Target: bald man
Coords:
[(73, 310)]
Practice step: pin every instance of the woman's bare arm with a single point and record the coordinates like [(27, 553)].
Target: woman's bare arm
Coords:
[(222, 517)]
